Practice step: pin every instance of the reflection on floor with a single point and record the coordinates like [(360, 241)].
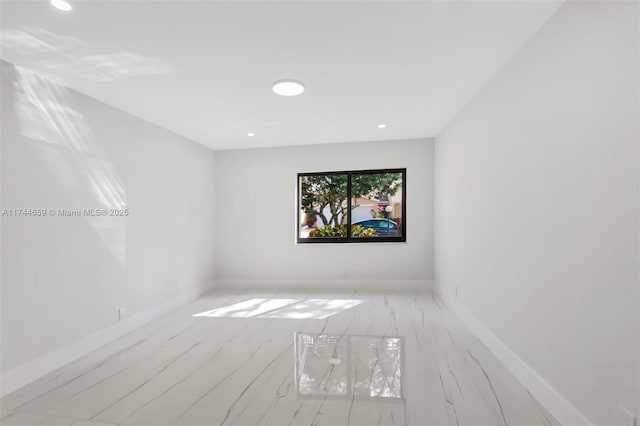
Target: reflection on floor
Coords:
[(236, 358), (346, 366)]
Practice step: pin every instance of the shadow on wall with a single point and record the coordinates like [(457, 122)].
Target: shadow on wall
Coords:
[(59, 131), (64, 139)]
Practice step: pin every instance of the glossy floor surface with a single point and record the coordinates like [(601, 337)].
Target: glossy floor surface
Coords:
[(286, 358)]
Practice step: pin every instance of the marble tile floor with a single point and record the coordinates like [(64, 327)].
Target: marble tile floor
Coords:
[(286, 358)]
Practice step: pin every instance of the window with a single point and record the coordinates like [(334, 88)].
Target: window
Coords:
[(352, 206)]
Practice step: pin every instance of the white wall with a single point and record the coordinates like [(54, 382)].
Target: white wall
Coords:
[(537, 206), (254, 252), (63, 278)]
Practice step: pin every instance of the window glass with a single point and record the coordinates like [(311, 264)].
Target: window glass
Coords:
[(323, 206), (376, 205), (351, 206)]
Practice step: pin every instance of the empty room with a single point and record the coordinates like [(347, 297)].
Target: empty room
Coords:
[(325, 213)]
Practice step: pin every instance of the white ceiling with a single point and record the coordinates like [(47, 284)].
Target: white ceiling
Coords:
[(205, 69)]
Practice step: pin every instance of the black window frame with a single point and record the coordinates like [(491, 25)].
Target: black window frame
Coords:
[(349, 239)]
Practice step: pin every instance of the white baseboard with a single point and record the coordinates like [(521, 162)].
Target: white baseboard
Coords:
[(345, 285), (33, 370), (563, 411)]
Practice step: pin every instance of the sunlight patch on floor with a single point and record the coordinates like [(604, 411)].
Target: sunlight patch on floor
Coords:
[(313, 309), (283, 308)]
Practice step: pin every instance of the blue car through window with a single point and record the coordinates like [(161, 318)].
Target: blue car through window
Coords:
[(383, 227)]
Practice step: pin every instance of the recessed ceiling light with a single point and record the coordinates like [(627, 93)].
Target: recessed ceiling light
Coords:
[(250, 134), (62, 5), (288, 87), (381, 126)]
